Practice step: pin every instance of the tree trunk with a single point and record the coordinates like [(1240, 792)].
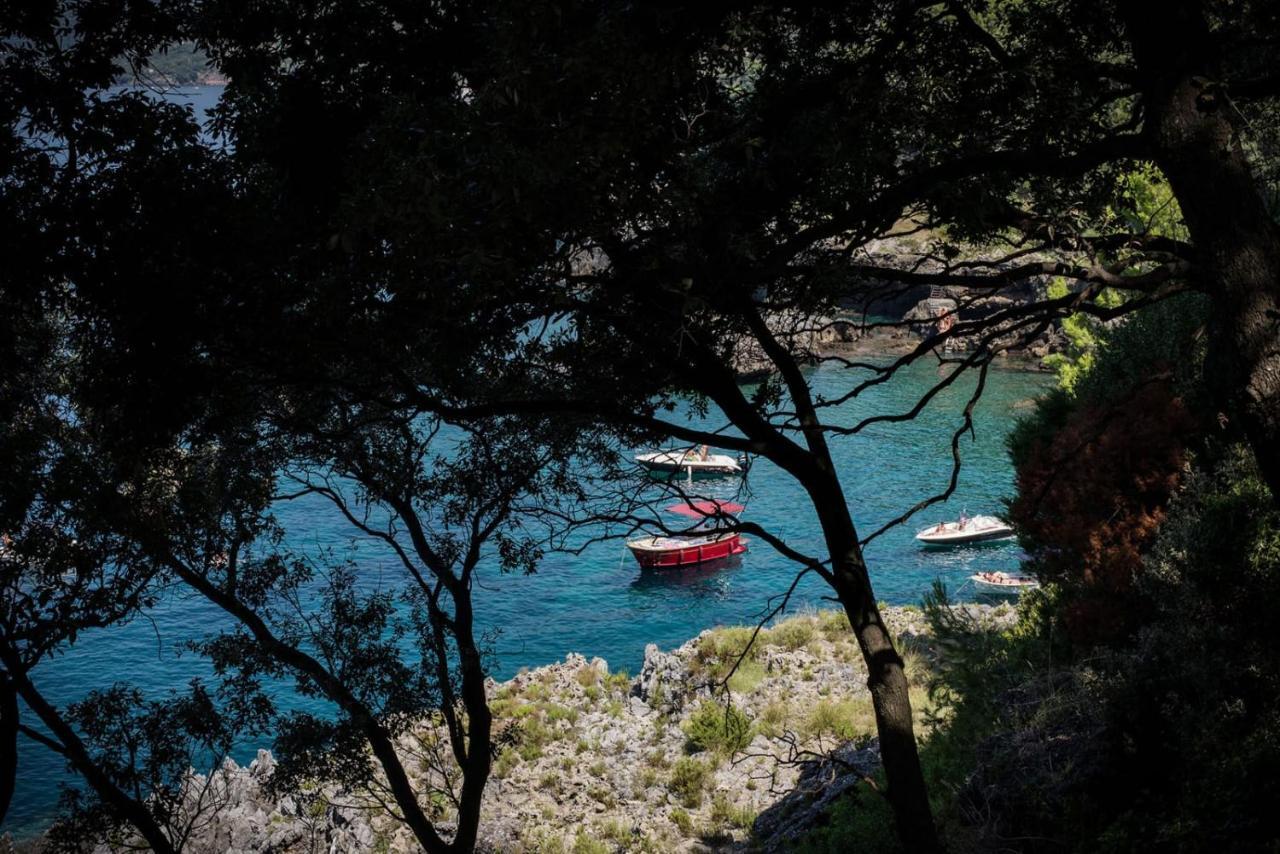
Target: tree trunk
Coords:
[(886, 677), (130, 809), (1191, 126), (479, 729), (8, 742), (908, 795)]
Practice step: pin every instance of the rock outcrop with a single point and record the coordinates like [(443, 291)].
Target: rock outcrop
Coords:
[(639, 763)]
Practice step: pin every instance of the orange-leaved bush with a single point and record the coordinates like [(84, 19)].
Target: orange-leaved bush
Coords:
[(1091, 497)]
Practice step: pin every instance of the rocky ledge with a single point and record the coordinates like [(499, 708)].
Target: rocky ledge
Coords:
[(693, 754)]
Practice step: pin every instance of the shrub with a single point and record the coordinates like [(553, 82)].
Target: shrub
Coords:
[(584, 843), (1090, 501), (834, 624), (774, 719), (791, 634), (747, 677), (550, 781), (587, 676), (726, 814), (619, 683), (844, 719), (689, 780), (506, 762), (725, 729)]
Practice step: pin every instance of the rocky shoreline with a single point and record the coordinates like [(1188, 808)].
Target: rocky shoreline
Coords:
[(596, 761)]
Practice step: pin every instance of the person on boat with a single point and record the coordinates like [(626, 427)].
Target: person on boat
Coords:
[(964, 520), (704, 452)]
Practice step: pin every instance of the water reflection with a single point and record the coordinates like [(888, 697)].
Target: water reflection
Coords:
[(710, 576)]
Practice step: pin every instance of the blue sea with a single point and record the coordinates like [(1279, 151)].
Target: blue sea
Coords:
[(598, 602)]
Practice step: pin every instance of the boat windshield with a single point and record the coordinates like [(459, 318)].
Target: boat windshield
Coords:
[(715, 524)]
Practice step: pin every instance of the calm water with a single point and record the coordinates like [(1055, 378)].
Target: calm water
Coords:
[(598, 603)]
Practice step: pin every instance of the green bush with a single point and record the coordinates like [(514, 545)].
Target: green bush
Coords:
[(724, 729), (791, 634), (689, 780)]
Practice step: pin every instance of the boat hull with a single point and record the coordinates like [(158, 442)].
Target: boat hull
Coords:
[(967, 532), (651, 553), (944, 540), (992, 589), (671, 464)]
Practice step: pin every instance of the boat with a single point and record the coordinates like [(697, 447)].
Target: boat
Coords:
[(979, 529), (705, 543), (693, 462), (1002, 583)]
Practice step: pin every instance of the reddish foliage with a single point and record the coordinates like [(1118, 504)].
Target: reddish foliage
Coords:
[(1091, 498)]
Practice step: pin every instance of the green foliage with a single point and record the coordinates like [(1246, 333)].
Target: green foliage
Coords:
[(1157, 742), (1167, 338), (689, 780), (842, 720), (1038, 427), (1146, 205), (725, 814), (717, 652), (725, 729), (682, 821), (1082, 333), (791, 634), (585, 843), (181, 64), (747, 676), (864, 815)]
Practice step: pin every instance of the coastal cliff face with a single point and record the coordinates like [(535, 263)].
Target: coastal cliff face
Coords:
[(690, 755)]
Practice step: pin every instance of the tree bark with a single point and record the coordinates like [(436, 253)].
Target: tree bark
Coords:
[(8, 742), (815, 471), (886, 677), (479, 729), (1193, 136), (130, 809)]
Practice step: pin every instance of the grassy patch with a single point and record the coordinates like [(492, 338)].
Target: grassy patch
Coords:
[(584, 843), (775, 719), (840, 719), (587, 676), (726, 814), (725, 729), (791, 634), (505, 763), (682, 821), (748, 676), (834, 624), (689, 781), (618, 683)]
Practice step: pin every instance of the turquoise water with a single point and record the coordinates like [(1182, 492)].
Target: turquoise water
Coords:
[(599, 603)]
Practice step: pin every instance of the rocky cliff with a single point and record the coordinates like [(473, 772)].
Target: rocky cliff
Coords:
[(692, 754)]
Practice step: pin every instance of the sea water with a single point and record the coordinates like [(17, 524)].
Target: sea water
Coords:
[(598, 602)]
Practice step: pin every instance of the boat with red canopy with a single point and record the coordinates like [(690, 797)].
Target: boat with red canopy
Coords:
[(706, 542)]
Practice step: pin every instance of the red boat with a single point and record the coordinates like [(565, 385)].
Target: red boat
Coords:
[(702, 544)]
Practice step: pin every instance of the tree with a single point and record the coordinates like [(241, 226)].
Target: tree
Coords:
[(595, 211), (149, 419), (666, 216)]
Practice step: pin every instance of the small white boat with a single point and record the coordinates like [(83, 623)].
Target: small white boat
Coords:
[(979, 529), (690, 461), (1002, 583)]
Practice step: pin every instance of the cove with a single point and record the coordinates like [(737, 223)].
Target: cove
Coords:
[(599, 603)]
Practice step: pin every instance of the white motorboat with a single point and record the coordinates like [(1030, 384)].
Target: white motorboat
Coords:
[(1002, 583), (690, 461), (979, 529)]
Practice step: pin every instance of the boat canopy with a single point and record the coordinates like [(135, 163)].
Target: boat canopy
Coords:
[(706, 509)]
